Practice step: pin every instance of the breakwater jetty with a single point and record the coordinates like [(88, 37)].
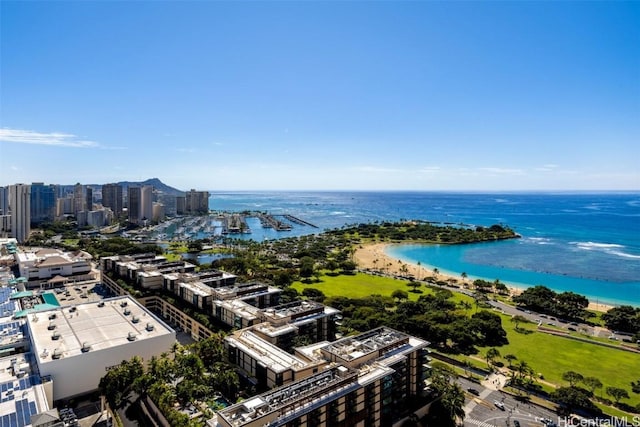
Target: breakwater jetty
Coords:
[(298, 221)]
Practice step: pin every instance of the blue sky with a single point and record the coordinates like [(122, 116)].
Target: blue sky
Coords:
[(302, 95)]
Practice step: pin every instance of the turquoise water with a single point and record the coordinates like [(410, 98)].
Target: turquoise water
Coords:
[(586, 243), (50, 298), (455, 259)]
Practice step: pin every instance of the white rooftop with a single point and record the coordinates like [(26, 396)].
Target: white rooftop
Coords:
[(197, 288), (100, 325), (269, 355)]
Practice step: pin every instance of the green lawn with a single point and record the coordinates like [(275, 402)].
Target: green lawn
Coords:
[(362, 285), (546, 354), (552, 356), (71, 242), (358, 285)]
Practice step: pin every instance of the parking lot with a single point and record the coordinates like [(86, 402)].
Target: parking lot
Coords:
[(78, 294)]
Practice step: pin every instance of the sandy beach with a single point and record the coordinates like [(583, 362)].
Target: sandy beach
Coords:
[(372, 256)]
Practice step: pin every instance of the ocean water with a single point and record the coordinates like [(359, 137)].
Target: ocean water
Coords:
[(586, 243)]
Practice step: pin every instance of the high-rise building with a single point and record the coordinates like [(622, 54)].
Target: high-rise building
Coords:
[(112, 198), (181, 205), (158, 212), (43, 202), (134, 196), (147, 203), (4, 200), (197, 202), (140, 204), (169, 202), (64, 206), (89, 199), (78, 198), (20, 207)]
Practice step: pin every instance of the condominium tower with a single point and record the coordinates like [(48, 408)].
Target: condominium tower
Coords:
[(20, 207), (112, 198)]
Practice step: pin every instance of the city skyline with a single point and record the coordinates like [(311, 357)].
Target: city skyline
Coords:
[(482, 96)]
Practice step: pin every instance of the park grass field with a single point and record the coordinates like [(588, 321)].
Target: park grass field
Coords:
[(548, 355), (361, 285), (552, 356)]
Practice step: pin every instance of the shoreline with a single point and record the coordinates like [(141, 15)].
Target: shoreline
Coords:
[(372, 256)]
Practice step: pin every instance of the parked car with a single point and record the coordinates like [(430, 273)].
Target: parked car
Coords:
[(516, 423), (499, 405), (473, 391)]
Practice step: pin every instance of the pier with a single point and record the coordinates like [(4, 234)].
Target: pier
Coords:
[(235, 223), (298, 221), (269, 221)]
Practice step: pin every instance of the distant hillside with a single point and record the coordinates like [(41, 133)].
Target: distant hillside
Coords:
[(155, 182)]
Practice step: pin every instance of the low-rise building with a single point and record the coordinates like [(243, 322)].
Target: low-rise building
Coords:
[(41, 265), (76, 345)]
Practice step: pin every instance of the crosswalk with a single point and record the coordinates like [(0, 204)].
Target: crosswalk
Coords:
[(478, 423)]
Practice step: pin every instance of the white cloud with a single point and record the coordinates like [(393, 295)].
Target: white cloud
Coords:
[(186, 150), (502, 171), (57, 139), (546, 168)]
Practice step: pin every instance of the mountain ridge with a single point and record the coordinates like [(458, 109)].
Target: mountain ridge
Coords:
[(154, 182)]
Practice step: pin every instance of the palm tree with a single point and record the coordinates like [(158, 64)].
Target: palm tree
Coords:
[(453, 401), (492, 353), (419, 270), (523, 369), (436, 271), (464, 276), (510, 358), (404, 269)]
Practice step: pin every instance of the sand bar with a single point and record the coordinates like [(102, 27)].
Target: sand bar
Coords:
[(372, 256)]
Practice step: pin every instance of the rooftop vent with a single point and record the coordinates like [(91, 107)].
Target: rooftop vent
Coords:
[(149, 327), (101, 304), (127, 312), (123, 304), (52, 316), (135, 319), (131, 336), (55, 336), (51, 326), (72, 309), (85, 347), (57, 354)]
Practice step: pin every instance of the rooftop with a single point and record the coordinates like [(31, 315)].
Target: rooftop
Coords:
[(71, 331), (197, 288), (267, 354), (239, 307), (286, 401), (7, 306), (377, 343), (21, 394), (244, 290)]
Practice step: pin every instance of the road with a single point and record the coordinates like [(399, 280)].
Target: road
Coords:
[(481, 410)]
